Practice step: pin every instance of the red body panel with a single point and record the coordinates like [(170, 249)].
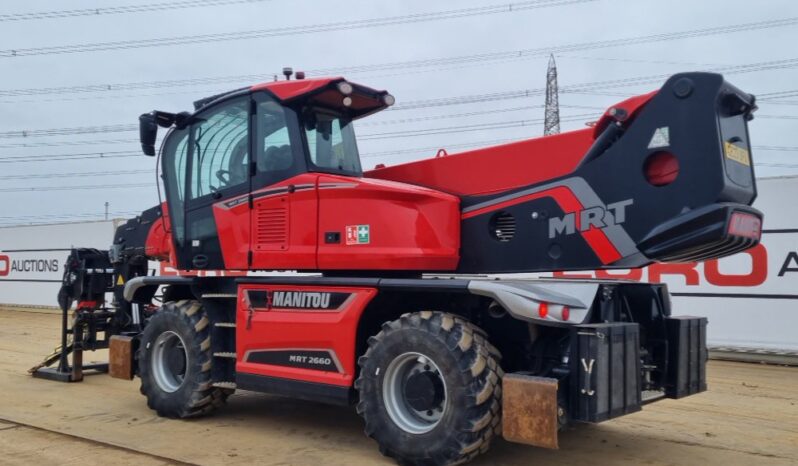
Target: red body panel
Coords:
[(232, 225), (409, 227), (286, 90), (280, 227), (495, 169), (158, 245), (284, 225), (275, 328), (507, 166)]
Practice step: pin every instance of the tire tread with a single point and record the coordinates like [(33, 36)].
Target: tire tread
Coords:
[(479, 362), (204, 397)]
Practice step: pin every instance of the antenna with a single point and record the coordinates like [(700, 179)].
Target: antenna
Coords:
[(551, 123)]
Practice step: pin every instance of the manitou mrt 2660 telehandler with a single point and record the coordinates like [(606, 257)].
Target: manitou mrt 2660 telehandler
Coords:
[(438, 360)]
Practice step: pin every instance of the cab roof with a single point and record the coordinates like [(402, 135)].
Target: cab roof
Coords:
[(287, 90), (358, 102)]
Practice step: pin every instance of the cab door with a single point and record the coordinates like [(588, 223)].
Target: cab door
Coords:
[(284, 195), (217, 186)]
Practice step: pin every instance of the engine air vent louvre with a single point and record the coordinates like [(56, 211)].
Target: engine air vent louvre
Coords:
[(271, 228), (502, 227)]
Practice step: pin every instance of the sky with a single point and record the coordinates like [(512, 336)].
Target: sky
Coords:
[(420, 51)]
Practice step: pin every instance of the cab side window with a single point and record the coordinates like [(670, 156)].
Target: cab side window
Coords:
[(175, 162), (220, 157), (276, 156), (331, 144)]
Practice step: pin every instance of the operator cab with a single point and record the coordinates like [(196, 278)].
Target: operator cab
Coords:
[(237, 147)]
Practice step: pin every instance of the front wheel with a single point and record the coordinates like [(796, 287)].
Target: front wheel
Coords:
[(430, 390), (174, 362)]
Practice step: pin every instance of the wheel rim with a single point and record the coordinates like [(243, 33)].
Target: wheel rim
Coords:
[(169, 361), (414, 392)]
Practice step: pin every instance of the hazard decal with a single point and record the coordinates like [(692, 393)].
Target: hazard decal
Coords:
[(661, 138), (358, 234)]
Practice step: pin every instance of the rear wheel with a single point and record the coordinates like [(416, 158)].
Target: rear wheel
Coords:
[(174, 362), (430, 390)]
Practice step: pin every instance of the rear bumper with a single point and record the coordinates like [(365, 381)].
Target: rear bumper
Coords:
[(699, 234)]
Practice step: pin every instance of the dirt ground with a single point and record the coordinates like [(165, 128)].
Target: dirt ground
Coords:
[(749, 416)]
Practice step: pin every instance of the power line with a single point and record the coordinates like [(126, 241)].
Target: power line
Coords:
[(74, 156), (76, 187), (500, 125), (69, 131), (578, 88), (586, 87), (462, 128), (43, 220), (135, 127), (778, 117), (40, 176), (24, 145), (778, 95), (476, 98), (478, 59), (448, 115), (291, 30), (122, 9), (63, 215), (785, 102), (777, 165), (777, 148), (374, 136)]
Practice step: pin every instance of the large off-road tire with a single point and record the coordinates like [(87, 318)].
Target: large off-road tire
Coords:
[(174, 362), (430, 389)]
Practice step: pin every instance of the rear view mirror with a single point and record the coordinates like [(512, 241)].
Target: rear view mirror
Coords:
[(148, 131)]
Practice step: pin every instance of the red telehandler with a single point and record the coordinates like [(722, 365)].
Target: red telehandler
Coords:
[(399, 317)]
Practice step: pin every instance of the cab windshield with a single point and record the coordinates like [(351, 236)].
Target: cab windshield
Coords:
[(331, 143)]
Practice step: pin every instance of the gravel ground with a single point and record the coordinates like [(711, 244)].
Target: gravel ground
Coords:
[(749, 416)]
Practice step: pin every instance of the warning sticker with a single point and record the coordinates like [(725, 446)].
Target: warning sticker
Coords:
[(358, 234), (736, 153), (661, 138)]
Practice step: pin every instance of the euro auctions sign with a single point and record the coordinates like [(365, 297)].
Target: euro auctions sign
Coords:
[(32, 265), (750, 298), (768, 270), (32, 258)]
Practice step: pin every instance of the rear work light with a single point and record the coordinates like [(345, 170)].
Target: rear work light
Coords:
[(746, 225)]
